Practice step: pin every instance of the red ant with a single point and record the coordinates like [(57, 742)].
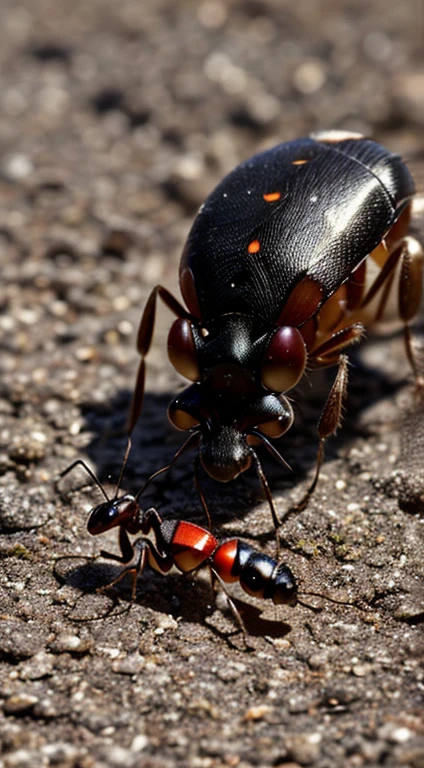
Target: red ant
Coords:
[(187, 547)]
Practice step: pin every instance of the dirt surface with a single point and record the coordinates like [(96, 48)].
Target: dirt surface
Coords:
[(116, 120)]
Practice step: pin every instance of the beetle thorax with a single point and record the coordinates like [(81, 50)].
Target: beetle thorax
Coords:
[(229, 351)]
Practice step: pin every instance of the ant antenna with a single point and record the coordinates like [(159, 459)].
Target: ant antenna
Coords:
[(94, 477), (329, 599), (89, 472), (158, 472), (124, 464)]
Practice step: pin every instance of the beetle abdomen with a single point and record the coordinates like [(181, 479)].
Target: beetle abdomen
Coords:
[(311, 207)]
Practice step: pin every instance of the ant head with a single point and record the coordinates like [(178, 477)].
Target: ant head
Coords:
[(112, 513)]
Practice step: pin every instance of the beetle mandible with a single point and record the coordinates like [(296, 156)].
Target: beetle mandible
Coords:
[(288, 260)]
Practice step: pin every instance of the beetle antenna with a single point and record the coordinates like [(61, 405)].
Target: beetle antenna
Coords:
[(80, 462), (268, 494), (158, 472), (269, 446)]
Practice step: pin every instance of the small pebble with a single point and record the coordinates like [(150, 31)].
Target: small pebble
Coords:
[(309, 76), (361, 670), (60, 753), (17, 167), (304, 747), (257, 713), (19, 703), (130, 665), (47, 709), (394, 733), (317, 660), (139, 743), (165, 622), (410, 608), (41, 665), (71, 644), (18, 644)]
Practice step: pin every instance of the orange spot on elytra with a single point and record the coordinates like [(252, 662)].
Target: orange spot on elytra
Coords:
[(254, 246), (299, 162), (271, 197)]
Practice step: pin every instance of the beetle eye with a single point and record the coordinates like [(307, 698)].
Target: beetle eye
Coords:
[(190, 408), (182, 349), (284, 361), (277, 427), (182, 419)]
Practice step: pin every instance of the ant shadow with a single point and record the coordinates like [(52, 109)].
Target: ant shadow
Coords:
[(168, 595)]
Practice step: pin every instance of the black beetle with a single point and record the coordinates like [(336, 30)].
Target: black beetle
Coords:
[(287, 261)]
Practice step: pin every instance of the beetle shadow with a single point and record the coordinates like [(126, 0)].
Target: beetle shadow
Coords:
[(155, 442), (178, 595)]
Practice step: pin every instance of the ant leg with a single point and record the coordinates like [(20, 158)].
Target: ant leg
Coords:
[(328, 423), (200, 492), (231, 603), (144, 340), (126, 547), (134, 568)]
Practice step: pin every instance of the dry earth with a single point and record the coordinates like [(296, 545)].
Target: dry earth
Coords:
[(116, 120)]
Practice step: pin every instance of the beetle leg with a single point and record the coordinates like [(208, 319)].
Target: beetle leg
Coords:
[(410, 295), (327, 352), (355, 287), (384, 274), (144, 340), (268, 494), (409, 254), (328, 424)]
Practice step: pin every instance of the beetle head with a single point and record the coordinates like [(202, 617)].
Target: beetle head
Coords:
[(229, 426)]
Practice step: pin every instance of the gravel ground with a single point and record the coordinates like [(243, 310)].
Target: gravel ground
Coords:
[(116, 120)]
